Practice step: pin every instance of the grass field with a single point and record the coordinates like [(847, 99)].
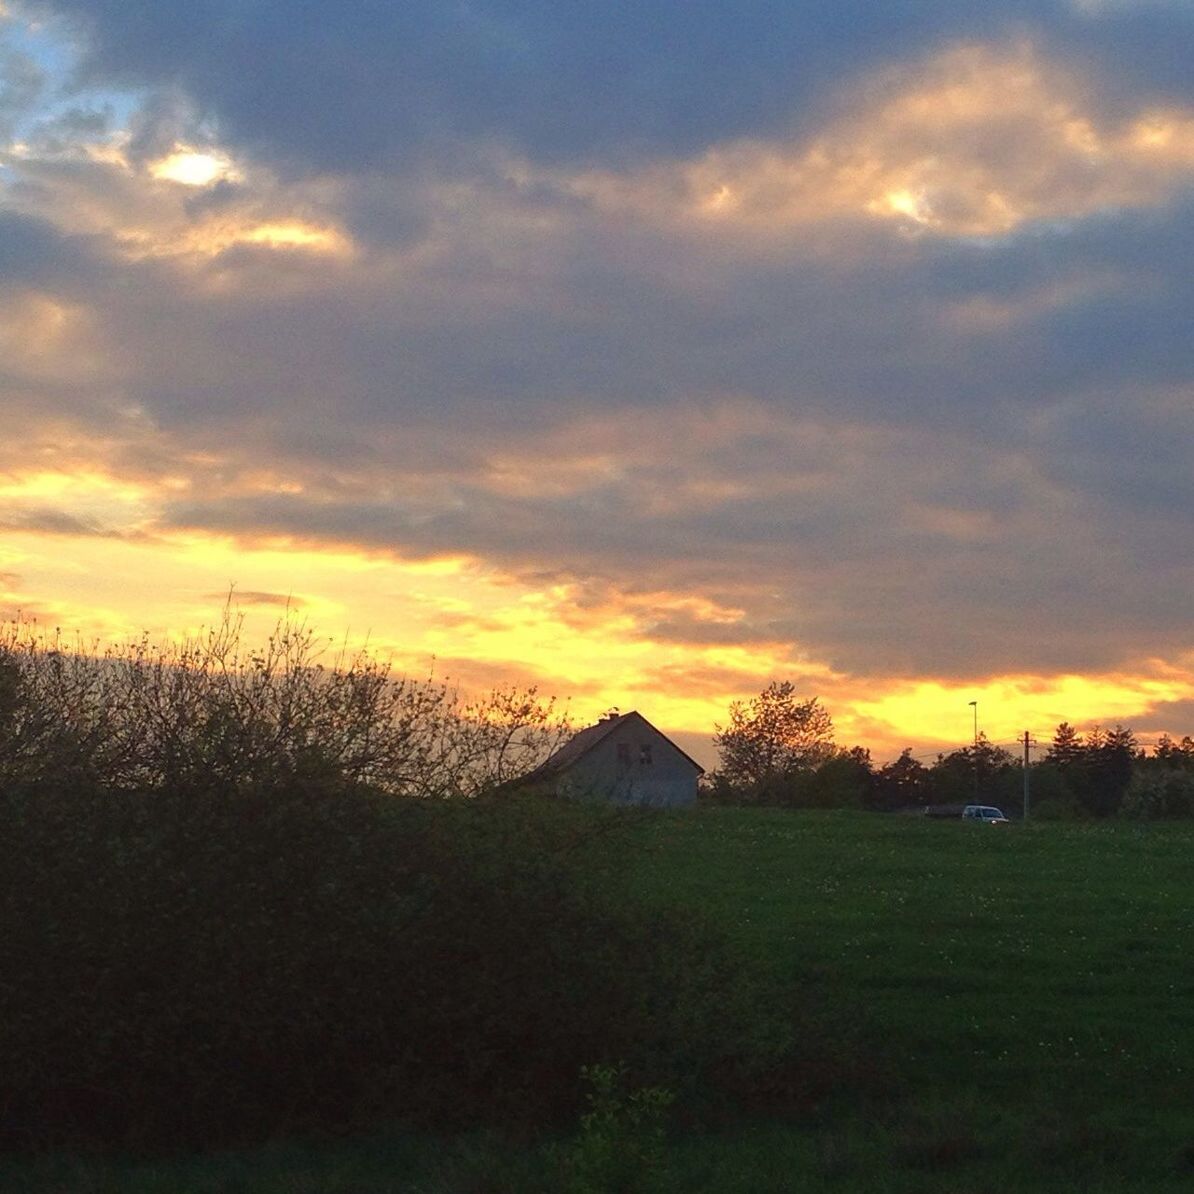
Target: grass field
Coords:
[(1031, 987), (1026, 994)]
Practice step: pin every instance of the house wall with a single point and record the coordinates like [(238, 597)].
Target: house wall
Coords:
[(624, 777)]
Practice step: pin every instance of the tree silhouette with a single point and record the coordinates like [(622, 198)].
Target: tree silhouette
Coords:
[(902, 782), (1067, 747), (771, 739)]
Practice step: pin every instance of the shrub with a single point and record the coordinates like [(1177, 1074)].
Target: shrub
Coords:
[(211, 708), (620, 1144), (227, 964), (1157, 793), (1057, 808), (217, 923)]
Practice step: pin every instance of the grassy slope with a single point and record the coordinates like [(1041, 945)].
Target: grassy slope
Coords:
[(1030, 989)]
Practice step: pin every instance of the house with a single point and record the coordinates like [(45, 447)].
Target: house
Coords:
[(623, 759)]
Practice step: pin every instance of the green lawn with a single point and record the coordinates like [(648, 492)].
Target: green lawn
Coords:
[(1027, 993), (1031, 987)]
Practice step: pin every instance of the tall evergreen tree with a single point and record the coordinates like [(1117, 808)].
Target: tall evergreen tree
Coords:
[(1067, 746), (1107, 769), (1176, 755)]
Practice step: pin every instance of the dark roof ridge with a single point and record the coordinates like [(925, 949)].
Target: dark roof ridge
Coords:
[(585, 740)]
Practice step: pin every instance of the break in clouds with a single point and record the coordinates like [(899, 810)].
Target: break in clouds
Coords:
[(868, 324)]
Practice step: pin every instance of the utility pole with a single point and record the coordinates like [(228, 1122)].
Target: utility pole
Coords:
[(1026, 778)]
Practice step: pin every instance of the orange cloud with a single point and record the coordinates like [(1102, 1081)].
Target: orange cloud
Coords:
[(975, 142), (44, 338), (148, 212)]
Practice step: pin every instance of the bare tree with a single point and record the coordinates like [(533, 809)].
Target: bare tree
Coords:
[(213, 709)]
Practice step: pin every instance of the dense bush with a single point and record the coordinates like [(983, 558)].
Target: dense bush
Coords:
[(240, 962), (237, 933), (843, 780), (1159, 793)]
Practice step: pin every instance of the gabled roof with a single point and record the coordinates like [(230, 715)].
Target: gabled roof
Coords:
[(581, 743)]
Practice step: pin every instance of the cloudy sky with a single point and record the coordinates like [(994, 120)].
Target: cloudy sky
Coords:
[(646, 352)]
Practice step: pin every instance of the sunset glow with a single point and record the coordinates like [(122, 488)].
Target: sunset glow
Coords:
[(860, 361), (193, 169), (464, 623)]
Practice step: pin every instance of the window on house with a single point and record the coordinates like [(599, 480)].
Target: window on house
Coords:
[(623, 754), (644, 755)]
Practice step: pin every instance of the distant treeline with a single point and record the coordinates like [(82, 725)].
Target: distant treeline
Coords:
[(1098, 774), (778, 749)]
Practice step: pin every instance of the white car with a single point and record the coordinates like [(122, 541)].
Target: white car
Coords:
[(986, 813)]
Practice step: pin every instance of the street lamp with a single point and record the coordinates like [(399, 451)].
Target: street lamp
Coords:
[(974, 706)]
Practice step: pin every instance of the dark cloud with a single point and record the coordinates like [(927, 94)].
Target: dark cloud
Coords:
[(62, 132), (1173, 717), (879, 562), (341, 87), (694, 631), (163, 120), (250, 597), (899, 490), (588, 318), (47, 520), (1134, 459), (1138, 49), (34, 252)]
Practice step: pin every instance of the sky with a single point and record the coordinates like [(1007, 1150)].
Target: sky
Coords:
[(644, 353)]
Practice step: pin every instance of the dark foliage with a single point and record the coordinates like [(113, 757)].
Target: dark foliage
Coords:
[(846, 780), (1159, 793), (981, 773), (219, 920), (1173, 755), (902, 783), (223, 964), (772, 744), (1091, 773)]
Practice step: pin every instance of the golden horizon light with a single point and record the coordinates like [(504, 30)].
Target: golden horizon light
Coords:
[(467, 625)]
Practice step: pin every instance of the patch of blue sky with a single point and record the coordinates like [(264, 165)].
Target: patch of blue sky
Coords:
[(50, 48), (46, 45)]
